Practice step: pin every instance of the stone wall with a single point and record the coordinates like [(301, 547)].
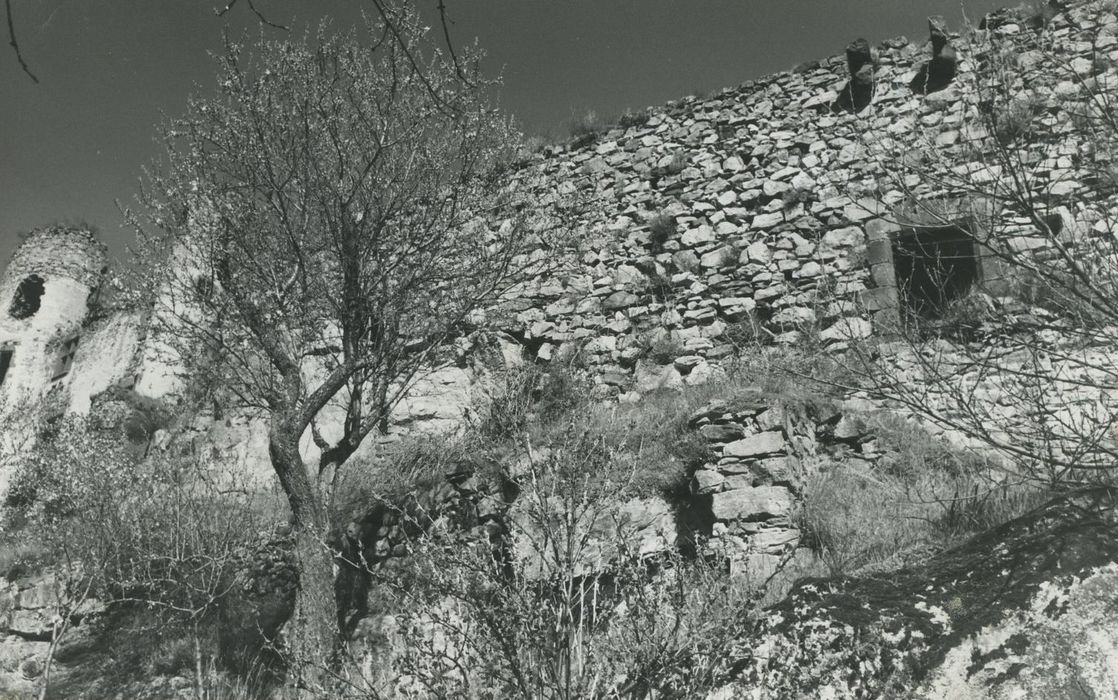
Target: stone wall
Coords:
[(764, 210)]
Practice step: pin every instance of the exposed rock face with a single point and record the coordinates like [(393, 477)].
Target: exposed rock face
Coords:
[(1026, 610)]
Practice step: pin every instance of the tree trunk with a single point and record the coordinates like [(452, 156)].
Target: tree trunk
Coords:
[(306, 507), (312, 633)]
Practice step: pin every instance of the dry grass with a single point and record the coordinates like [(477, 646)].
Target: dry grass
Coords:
[(921, 498)]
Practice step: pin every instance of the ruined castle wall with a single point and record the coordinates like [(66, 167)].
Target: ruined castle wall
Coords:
[(779, 217), (45, 297)]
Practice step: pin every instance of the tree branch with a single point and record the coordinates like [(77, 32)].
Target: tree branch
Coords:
[(14, 42), (259, 15)]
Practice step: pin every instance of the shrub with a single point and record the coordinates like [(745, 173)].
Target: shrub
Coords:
[(661, 229), (158, 540), (1015, 122), (586, 128), (663, 347), (796, 195), (533, 620), (630, 118), (529, 394)]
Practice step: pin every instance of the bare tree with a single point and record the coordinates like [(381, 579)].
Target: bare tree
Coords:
[(319, 234), (1004, 213)]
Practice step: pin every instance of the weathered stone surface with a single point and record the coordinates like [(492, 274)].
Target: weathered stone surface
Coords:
[(1022, 611), (843, 237), (756, 445), (778, 470), (620, 300), (751, 503), (651, 377), (847, 329), (722, 432), (706, 481)]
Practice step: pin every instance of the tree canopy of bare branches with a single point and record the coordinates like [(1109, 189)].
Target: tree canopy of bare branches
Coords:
[(319, 232)]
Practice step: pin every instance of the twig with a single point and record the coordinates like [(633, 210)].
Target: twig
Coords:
[(450, 44), (251, 5), (14, 43), (405, 46)]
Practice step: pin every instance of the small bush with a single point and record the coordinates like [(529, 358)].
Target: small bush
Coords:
[(530, 394), (630, 119), (796, 195), (413, 464), (586, 127), (664, 348), (158, 540), (1015, 122), (661, 229)]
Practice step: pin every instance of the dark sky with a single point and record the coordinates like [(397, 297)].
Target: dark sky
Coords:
[(73, 144)]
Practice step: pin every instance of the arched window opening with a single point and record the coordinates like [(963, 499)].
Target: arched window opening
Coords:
[(28, 298)]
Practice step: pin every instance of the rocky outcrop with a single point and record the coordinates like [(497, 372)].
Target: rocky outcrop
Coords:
[(1025, 610)]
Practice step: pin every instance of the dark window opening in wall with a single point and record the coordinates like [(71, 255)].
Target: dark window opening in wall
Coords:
[(5, 364), (28, 298), (935, 267), (65, 358)]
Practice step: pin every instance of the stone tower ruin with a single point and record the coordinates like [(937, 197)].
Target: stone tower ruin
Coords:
[(46, 293)]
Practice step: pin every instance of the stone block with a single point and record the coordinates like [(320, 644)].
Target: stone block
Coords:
[(777, 470), (880, 252), (848, 329), (846, 237), (878, 299), (719, 257), (698, 236), (756, 503), (756, 252), (884, 275), (650, 377), (706, 481), (880, 230), (756, 445), (722, 432), (620, 300), (774, 540)]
